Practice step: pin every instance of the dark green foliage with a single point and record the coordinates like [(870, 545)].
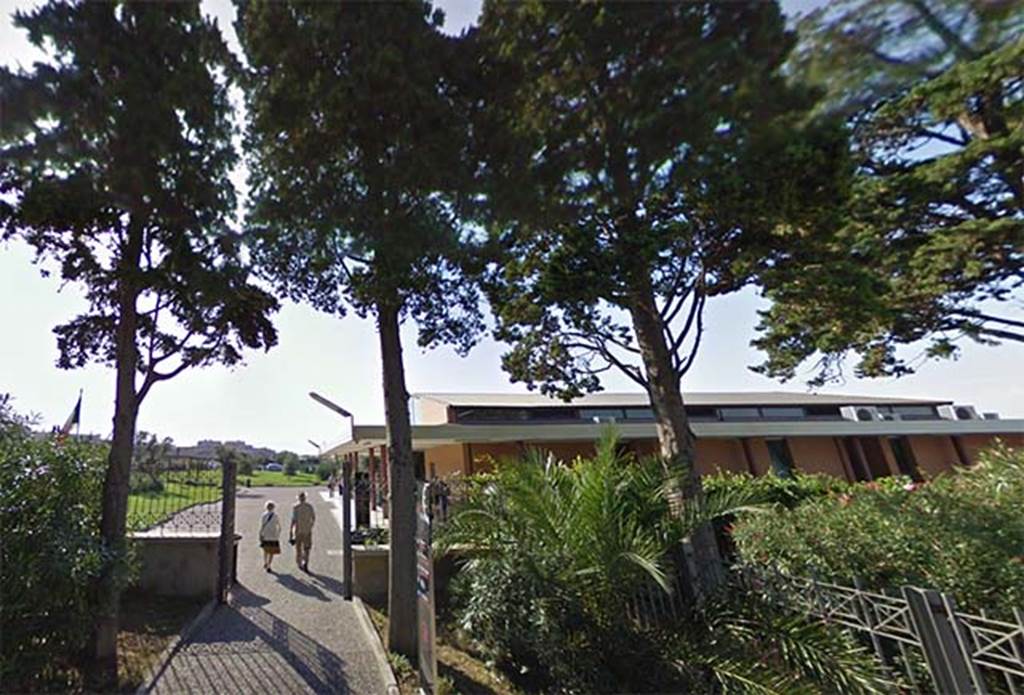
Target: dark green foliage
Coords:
[(739, 643), (640, 158), (558, 552), (771, 489), (861, 51), (115, 166), (357, 146), (50, 554), (325, 469), (930, 244), (245, 465), (961, 533), (115, 156), (358, 156), (555, 550)]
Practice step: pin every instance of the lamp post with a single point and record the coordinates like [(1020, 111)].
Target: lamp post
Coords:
[(330, 405)]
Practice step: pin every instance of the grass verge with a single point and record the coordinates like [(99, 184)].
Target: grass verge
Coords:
[(278, 479), (148, 625), (459, 672)]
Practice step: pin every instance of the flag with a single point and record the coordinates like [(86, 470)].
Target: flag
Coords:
[(74, 418)]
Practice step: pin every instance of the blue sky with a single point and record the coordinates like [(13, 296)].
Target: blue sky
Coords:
[(264, 402)]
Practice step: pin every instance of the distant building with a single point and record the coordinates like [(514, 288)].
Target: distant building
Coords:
[(850, 437), (209, 450)]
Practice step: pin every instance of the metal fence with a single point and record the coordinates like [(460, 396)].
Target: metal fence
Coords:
[(175, 496), (920, 634), (187, 499)]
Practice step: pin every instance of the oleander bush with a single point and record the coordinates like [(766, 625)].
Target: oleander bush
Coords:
[(50, 555), (962, 533), (771, 489)]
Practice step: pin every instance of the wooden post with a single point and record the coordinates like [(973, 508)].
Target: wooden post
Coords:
[(346, 526), (229, 472)]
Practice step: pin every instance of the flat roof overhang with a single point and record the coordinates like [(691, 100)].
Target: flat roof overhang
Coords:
[(428, 436)]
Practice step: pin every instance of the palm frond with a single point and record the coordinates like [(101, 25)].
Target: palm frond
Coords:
[(738, 676)]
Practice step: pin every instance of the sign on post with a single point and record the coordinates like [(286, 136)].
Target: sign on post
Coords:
[(425, 588)]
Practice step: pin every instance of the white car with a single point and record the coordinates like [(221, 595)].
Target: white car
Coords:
[(273, 467)]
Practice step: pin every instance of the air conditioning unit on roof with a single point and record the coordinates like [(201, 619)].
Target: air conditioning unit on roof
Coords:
[(959, 412), (860, 413)]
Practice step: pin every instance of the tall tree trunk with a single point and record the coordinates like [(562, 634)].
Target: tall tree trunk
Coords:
[(113, 522), (402, 631), (674, 435)]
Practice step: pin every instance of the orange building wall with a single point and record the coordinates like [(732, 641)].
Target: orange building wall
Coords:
[(564, 451), (445, 460), (934, 455), (974, 444), (760, 456), (816, 455), (486, 455), (720, 455)]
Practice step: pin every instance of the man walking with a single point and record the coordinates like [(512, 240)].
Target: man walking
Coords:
[(303, 518)]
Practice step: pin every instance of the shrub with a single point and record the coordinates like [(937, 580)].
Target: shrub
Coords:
[(325, 469), (50, 495), (962, 533), (771, 489), (558, 552), (291, 467), (144, 483)]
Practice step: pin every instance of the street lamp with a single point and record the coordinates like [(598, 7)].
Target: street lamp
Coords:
[(330, 405)]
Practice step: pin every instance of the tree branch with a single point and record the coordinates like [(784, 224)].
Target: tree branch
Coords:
[(971, 313)]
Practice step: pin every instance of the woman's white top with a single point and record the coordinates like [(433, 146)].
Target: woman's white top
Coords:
[(270, 527)]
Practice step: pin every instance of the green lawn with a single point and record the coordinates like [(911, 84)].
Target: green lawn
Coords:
[(279, 479), (149, 508), (181, 490)]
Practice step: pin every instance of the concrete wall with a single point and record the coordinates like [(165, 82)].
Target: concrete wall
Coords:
[(370, 572), (178, 566), (431, 412)]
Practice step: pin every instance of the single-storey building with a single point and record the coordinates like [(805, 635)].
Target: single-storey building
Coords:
[(851, 437)]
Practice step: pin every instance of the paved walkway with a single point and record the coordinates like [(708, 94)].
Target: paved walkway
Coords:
[(285, 632)]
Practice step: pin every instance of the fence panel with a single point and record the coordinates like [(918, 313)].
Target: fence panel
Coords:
[(963, 653), (176, 496)]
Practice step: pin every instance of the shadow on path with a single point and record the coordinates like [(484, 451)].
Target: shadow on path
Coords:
[(241, 649), (329, 583), (300, 587)]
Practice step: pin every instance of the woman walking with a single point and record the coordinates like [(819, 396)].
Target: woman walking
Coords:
[(270, 534)]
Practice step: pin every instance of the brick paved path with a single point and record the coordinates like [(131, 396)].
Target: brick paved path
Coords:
[(286, 632)]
